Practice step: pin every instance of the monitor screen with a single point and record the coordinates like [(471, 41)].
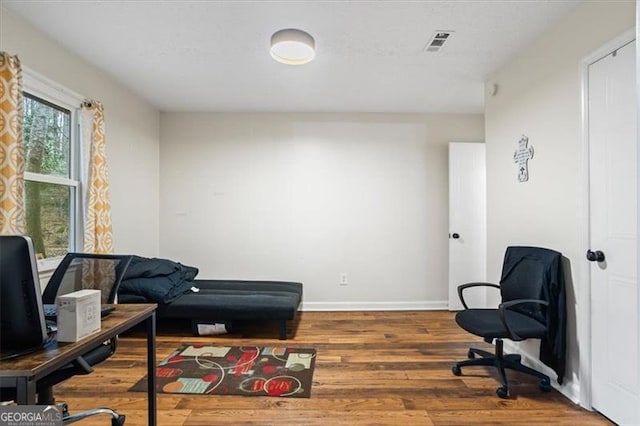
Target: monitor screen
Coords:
[(22, 324), (82, 271)]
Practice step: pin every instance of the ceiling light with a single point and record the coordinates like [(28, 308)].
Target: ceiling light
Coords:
[(292, 47)]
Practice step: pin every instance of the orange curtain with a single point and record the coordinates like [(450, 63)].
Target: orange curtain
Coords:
[(98, 233), (99, 274), (12, 219)]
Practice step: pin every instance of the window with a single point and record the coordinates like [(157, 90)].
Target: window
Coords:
[(51, 174)]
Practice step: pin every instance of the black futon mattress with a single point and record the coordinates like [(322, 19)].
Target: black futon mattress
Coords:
[(179, 296), (236, 300)]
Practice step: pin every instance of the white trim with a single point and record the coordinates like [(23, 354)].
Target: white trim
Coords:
[(44, 277), (49, 264), (637, 34), (41, 86), (583, 295), (56, 180), (375, 306), (571, 388), (77, 233)]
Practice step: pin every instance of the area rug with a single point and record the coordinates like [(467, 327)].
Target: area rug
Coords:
[(235, 370)]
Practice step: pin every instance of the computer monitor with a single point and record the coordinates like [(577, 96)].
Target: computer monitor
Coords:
[(22, 324), (82, 271)]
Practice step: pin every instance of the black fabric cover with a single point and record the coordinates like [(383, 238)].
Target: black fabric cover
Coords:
[(237, 300), (486, 323), (157, 280), (520, 263), (132, 298), (223, 300), (93, 357)]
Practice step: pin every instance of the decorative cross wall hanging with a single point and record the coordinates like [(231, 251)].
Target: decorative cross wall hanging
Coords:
[(521, 156)]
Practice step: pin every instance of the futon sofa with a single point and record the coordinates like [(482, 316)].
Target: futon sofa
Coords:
[(181, 297)]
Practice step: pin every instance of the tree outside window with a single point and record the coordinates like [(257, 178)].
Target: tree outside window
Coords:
[(50, 184)]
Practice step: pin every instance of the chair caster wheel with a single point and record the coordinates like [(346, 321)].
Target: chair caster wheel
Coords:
[(471, 354), (456, 370), (119, 421), (502, 392), (545, 386)]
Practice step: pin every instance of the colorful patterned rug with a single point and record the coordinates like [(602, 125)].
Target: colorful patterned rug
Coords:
[(233, 370)]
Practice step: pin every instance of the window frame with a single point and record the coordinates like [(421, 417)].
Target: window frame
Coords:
[(49, 91)]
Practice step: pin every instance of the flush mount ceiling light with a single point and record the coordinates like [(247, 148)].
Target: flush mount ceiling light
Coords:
[(292, 47)]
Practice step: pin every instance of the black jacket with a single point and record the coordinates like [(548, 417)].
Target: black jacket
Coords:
[(552, 290), (158, 280)]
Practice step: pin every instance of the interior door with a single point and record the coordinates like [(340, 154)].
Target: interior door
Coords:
[(613, 236), (467, 221)]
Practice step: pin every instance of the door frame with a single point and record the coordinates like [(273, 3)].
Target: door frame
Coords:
[(583, 310)]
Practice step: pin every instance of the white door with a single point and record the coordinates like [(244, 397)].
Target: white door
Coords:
[(467, 221), (613, 234)]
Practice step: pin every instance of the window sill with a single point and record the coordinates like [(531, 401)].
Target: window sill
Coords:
[(48, 265)]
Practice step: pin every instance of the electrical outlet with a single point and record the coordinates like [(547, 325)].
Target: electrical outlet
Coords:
[(343, 278)]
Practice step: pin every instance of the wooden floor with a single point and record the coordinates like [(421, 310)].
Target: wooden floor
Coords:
[(382, 368)]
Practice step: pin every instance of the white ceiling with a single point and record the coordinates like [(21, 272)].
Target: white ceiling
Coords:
[(370, 57)]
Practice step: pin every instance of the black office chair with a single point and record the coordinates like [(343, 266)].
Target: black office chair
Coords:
[(79, 271), (533, 307)]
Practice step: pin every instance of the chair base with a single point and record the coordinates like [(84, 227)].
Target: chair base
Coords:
[(501, 361), (68, 418)]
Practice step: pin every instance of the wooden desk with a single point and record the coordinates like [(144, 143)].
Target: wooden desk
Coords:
[(23, 372)]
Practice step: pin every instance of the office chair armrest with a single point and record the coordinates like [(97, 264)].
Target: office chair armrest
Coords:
[(506, 305), (82, 366), (462, 287)]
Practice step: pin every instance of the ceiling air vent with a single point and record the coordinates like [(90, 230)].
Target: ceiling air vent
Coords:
[(438, 40)]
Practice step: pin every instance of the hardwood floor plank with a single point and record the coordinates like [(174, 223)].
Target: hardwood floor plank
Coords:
[(383, 368), (313, 403), (307, 417), (521, 417)]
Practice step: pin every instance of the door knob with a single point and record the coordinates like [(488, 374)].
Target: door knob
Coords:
[(595, 256), (455, 235)]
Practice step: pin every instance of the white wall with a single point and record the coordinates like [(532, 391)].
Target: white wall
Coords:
[(539, 95), (305, 197), (132, 131)]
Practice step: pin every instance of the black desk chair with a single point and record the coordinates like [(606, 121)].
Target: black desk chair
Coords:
[(533, 307), (79, 271)]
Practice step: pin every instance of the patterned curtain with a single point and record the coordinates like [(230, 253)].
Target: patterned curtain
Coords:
[(12, 219), (96, 199), (98, 274)]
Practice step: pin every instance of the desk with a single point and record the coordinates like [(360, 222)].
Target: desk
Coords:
[(23, 372)]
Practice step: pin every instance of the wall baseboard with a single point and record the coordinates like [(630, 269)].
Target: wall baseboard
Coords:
[(570, 388), (374, 306)]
